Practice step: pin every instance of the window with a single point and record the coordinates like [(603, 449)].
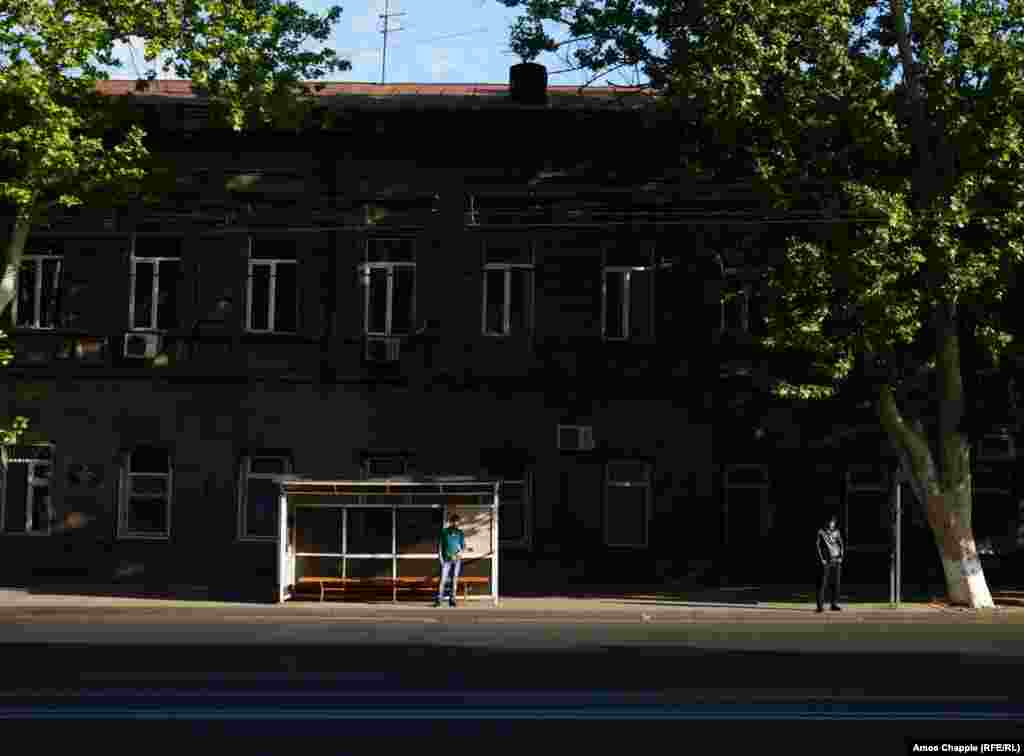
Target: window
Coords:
[(37, 304), (389, 295), (384, 466), (389, 287), (736, 308), (508, 298), (625, 302), (866, 516), (615, 303), (514, 515), (743, 306), (272, 293), (155, 274), (146, 494), (258, 496), (26, 505), (627, 504), (507, 288)]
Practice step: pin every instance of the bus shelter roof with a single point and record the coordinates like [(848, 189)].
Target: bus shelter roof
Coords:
[(292, 485)]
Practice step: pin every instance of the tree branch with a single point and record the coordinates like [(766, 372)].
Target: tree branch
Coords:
[(911, 444)]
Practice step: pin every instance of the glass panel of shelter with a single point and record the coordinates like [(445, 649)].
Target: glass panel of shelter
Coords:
[(378, 536)]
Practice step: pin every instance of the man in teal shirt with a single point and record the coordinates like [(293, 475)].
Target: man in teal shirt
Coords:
[(453, 543)]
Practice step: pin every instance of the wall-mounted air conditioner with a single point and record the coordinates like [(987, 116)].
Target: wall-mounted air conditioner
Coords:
[(382, 348), (575, 437), (996, 447), (142, 345)]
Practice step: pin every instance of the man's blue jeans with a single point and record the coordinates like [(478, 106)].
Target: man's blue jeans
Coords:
[(450, 570)]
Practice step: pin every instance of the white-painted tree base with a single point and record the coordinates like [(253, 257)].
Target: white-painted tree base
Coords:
[(966, 582)]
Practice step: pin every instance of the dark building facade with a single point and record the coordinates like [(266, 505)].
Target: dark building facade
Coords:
[(448, 281)]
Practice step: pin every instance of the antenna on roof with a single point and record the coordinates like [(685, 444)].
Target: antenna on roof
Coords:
[(384, 54)]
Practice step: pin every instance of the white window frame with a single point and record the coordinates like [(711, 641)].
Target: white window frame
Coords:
[(272, 263), (364, 270), (526, 542), (126, 477), (155, 297), (628, 270), (30, 486), (645, 484), (38, 260), (506, 316), (246, 474)]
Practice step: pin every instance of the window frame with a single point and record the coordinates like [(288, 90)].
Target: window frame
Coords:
[(743, 293), (526, 541), (628, 270), (38, 260), (30, 487), (156, 261), (272, 263), (364, 272), (125, 495), (506, 313), (644, 484), (245, 475)]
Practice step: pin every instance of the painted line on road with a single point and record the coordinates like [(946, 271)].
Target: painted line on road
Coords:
[(818, 712)]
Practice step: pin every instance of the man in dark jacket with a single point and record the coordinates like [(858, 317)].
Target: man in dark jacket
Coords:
[(830, 555)]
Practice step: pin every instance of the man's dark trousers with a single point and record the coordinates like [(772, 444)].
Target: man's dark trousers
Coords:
[(834, 568)]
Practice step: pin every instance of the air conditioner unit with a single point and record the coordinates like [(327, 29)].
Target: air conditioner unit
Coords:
[(382, 348), (575, 437), (996, 447), (141, 345)]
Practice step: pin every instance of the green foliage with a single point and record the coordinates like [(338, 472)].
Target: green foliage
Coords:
[(56, 147), (920, 116), (6, 350), (63, 144), (13, 434)]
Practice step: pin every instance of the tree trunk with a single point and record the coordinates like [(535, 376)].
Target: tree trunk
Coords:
[(949, 515), (948, 508), (12, 261)]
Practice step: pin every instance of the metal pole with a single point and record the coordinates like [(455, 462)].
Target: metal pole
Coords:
[(899, 540), (384, 57), (894, 492), (896, 509)]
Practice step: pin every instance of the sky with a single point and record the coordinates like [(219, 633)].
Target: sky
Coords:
[(439, 41)]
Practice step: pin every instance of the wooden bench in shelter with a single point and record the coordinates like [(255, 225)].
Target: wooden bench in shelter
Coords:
[(360, 587)]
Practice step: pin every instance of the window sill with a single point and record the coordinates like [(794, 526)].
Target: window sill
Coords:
[(277, 337), (26, 535), (142, 537), (256, 539), (626, 546)]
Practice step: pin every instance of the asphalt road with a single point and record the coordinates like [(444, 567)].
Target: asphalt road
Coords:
[(719, 652), (270, 673)]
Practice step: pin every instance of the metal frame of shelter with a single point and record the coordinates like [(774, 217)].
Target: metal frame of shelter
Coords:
[(297, 491)]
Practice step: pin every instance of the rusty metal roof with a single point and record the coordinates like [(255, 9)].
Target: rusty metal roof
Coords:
[(475, 94)]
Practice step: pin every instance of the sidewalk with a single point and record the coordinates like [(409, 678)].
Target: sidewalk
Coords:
[(778, 603)]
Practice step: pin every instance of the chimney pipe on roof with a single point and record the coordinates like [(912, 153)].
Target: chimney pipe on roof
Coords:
[(528, 84)]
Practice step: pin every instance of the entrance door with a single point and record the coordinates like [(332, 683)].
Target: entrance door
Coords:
[(746, 490), (743, 531)]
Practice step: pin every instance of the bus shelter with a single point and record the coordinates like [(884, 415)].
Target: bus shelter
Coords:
[(384, 529)]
